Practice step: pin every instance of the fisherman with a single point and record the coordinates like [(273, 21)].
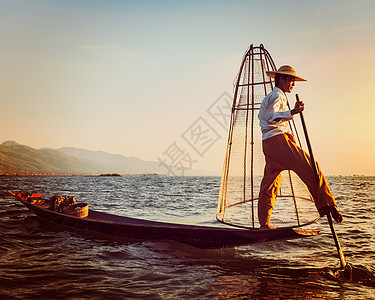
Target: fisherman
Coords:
[(282, 152)]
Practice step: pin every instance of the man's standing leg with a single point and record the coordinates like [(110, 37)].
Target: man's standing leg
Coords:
[(269, 189)]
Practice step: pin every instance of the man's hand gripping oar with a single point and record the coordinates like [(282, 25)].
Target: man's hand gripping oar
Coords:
[(337, 216)]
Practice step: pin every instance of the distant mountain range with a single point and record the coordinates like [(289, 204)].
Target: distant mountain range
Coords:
[(21, 159), (117, 163)]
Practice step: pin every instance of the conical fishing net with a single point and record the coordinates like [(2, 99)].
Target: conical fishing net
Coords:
[(244, 161)]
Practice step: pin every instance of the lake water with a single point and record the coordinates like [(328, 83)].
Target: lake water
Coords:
[(40, 261)]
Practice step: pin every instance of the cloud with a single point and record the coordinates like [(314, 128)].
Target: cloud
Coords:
[(333, 31), (101, 46), (309, 33), (341, 30)]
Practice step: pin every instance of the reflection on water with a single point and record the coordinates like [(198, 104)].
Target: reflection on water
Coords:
[(40, 260)]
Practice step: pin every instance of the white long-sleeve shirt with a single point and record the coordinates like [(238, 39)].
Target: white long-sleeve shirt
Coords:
[(274, 114)]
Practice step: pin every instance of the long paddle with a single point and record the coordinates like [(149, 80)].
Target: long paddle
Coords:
[(344, 264)]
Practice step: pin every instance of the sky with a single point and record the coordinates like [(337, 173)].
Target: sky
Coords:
[(132, 77)]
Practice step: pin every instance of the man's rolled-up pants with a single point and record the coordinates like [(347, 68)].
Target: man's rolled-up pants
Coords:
[(282, 153)]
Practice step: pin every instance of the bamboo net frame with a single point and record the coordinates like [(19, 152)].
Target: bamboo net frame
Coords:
[(244, 160)]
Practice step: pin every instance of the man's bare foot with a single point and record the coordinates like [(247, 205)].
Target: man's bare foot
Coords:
[(336, 214), (333, 211), (266, 227)]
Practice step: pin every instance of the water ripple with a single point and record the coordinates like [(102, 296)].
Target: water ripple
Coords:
[(41, 261)]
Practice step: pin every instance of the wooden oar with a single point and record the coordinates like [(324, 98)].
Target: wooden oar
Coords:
[(344, 264)]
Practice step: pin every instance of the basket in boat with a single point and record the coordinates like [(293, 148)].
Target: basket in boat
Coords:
[(35, 200), (80, 210)]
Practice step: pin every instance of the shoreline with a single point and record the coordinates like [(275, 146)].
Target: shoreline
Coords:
[(81, 175)]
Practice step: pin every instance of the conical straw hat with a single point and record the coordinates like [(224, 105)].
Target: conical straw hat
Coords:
[(285, 70)]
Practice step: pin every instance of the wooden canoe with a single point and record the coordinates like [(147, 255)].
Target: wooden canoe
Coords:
[(204, 237)]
